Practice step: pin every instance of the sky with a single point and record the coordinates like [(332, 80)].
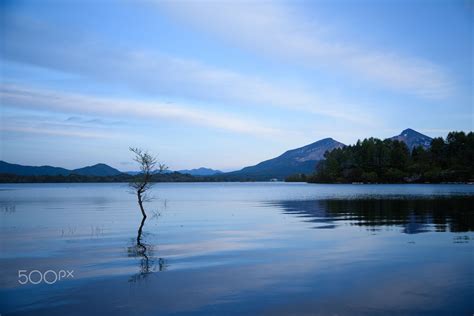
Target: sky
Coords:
[(225, 84)]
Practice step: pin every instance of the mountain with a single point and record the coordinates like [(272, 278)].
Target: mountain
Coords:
[(413, 139), (299, 160), (200, 171), (95, 170), (20, 170), (132, 173), (99, 169)]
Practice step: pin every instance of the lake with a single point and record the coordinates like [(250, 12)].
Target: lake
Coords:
[(237, 248)]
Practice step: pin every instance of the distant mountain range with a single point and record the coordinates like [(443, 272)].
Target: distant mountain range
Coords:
[(99, 169), (299, 160), (200, 171)]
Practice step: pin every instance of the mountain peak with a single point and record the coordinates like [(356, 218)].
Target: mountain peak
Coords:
[(100, 164), (411, 132), (100, 169), (298, 160), (413, 138)]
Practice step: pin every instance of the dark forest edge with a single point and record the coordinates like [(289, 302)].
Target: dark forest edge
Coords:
[(120, 178), (75, 178), (373, 160), (125, 178)]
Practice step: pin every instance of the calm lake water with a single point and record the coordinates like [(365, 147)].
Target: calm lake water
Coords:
[(238, 248)]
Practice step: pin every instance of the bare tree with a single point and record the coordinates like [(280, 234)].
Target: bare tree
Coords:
[(142, 182)]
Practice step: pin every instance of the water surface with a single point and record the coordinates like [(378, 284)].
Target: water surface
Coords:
[(239, 248)]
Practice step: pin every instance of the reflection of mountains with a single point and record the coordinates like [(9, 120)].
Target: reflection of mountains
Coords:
[(414, 215)]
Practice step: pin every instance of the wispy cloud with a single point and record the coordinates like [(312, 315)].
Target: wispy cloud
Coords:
[(155, 73), (53, 132), (25, 97), (273, 28), (28, 122), (92, 121)]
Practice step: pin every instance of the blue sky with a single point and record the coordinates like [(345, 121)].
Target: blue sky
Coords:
[(226, 84)]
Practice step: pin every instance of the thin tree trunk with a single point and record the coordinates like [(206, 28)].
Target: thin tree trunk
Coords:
[(139, 235), (140, 203)]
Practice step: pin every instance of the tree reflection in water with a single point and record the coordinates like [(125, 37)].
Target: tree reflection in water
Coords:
[(413, 215), (145, 252)]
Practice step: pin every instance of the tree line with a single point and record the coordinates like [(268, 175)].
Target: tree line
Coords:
[(390, 161), (75, 178)]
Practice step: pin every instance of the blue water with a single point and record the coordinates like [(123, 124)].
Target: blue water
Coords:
[(239, 248)]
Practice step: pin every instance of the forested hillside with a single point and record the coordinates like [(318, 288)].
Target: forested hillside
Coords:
[(390, 161)]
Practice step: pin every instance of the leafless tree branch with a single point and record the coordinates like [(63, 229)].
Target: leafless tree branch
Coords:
[(142, 182)]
